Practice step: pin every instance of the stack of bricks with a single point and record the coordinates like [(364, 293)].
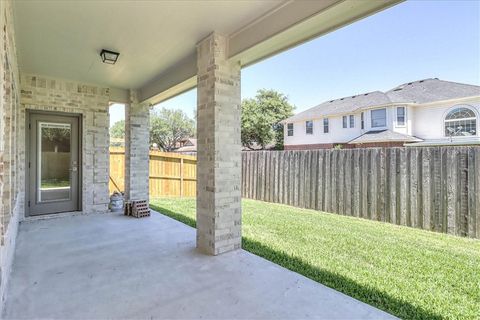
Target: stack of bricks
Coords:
[(137, 208)]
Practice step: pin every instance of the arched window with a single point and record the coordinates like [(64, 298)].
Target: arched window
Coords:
[(460, 122)]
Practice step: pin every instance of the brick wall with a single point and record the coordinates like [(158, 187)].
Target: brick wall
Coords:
[(11, 200), (92, 102)]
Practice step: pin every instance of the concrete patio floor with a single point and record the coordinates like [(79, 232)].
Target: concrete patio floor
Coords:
[(112, 266)]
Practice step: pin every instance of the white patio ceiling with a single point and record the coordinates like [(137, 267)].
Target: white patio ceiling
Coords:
[(64, 38), (157, 39)]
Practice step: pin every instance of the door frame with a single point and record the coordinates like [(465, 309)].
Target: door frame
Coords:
[(79, 117)]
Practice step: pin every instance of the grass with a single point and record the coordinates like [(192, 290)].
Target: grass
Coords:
[(54, 183), (410, 273)]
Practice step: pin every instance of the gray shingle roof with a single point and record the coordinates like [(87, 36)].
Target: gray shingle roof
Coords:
[(187, 149), (343, 105), (421, 91), (383, 136), (429, 90)]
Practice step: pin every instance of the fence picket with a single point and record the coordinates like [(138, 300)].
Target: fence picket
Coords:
[(413, 188), (356, 181), (348, 208), (281, 178), (475, 192), (427, 188), (393, 185), (340, 188), (451, 166), (321, 180), (462, 206)]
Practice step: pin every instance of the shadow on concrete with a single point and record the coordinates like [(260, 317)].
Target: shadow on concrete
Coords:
[(373, 297), (376, 298)]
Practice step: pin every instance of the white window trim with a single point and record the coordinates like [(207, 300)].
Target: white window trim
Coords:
[(293, 129), (345, 122), (349, 122), (466, 106), (323, 125), (386, 119), (404, 125), (306, 127)]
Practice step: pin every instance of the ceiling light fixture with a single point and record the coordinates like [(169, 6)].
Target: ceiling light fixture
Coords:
[(108, 56)]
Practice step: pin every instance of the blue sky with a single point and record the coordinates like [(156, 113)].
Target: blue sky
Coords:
[(411, 41)]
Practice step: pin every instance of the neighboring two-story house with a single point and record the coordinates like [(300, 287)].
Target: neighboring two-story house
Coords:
[(424, 112)]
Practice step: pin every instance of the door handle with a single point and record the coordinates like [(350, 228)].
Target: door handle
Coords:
[(73, 168)]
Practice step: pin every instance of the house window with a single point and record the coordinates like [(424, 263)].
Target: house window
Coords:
[(352, 121), (325, 125), (400, 116), (460, 122), (309, 127), (290, 129), (379, 118), (344, 121), (362, 121)]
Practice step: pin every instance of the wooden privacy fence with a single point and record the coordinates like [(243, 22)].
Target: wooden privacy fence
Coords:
[(433, 188), (117, 170), (171, 174)]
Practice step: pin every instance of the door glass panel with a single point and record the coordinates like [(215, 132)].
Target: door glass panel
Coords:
[(53, 161)]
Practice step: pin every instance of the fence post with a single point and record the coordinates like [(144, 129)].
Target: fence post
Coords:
[(181, 177)]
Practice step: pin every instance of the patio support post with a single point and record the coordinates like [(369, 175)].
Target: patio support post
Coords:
[(137, 140), (218, 148)]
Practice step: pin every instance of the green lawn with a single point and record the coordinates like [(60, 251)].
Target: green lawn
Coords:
[(54, 183), (410, 273)]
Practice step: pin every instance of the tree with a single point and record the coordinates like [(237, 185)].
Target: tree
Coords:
[(261, 116), (55, 138), (118, 129), (168, 127)]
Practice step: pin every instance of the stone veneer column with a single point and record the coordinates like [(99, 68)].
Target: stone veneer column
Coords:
[(137, 141), (218, 148)]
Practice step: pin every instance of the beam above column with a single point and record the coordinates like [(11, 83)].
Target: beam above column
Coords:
[(182, 77), (289, 25), (119, 95)]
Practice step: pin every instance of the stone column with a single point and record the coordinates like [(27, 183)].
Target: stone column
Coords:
[(137, 141), (219, 212)]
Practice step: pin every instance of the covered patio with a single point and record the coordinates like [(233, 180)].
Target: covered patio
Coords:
[(87, 263), (111, 266)]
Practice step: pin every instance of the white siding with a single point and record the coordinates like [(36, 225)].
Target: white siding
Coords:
[(428, 120), (424, 122), (336, 134)]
